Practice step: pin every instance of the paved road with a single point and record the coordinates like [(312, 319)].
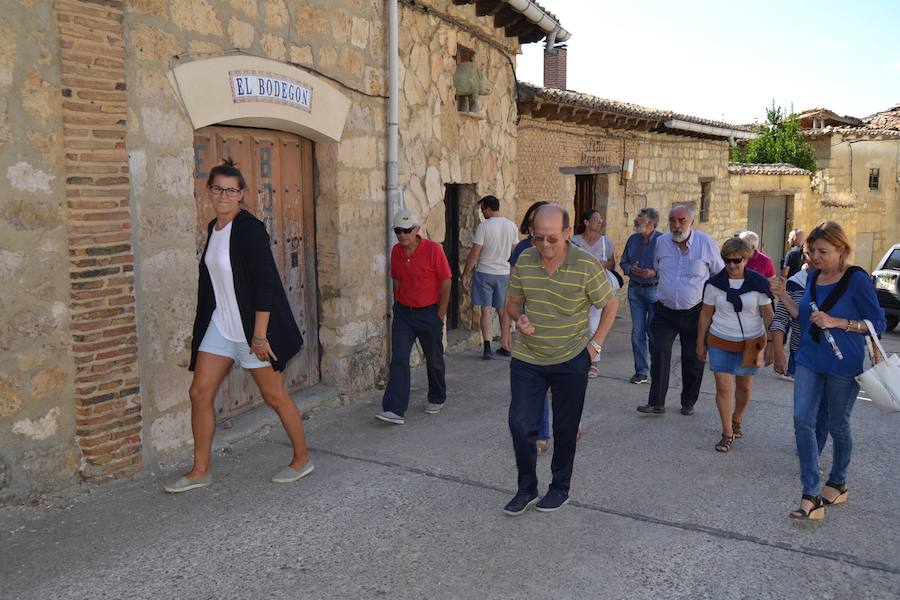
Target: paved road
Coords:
[(414, 511)]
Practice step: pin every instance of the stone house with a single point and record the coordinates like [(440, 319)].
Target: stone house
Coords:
[(112, 113), (583, 151), (858, 176)]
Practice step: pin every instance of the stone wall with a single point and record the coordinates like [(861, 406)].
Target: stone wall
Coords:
[(37, 414), (440, 145), (667, 171), (874, 212)]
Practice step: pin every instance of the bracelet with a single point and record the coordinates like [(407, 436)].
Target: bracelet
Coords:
[(849, 322), (260, 339)]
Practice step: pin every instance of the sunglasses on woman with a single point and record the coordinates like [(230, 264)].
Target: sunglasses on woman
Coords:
[(399, 230), (734, 261)]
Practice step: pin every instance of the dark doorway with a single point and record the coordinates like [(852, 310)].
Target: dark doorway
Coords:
[(585, 194), (451, 249)]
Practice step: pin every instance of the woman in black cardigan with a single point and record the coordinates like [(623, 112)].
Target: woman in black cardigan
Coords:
[(243, 316)]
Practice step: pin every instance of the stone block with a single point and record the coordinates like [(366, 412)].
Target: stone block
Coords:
[(327, 57), (434, 189), (352, 62), (153, 44), (359, 32), (273, 46), (241, 33), (166, 127), (197, 16), (41, 428), (175, 174), (39, 98), (340, 26), (310, 20), (10, 401), (248, 7), (358, 152), (197, 47), (156, 8), (276, 12), (436, 224), (46, 382), (7, 53), (301, 55)]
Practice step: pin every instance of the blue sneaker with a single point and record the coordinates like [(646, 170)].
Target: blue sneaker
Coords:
[(552, 500), (521, 502)]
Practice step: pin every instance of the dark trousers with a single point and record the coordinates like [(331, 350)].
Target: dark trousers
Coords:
[(407, 325), (667, 324), (529, 384)]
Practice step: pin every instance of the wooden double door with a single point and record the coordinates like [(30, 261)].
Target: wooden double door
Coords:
[(278, 168)]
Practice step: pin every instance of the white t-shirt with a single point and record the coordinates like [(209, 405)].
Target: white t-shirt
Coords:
[(603, 249), (725, 322), (496, 236), (226, 317)]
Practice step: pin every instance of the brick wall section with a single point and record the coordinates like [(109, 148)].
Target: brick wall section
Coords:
[(555, 68), (101, 263)]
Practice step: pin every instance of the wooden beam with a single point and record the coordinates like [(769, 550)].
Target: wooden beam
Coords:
[(547, 111), (484, 8), (506, 16)]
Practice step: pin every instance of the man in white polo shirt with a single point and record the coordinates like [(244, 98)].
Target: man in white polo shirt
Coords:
[(495, 238)]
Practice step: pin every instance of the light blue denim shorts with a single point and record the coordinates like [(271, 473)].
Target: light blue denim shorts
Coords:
[(216, 343), (723, 361), (489, 290)]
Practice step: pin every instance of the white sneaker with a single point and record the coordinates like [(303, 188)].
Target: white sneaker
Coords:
[(389, 417), (432, 409)]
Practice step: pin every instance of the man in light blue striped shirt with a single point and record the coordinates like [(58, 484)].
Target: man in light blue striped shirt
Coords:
[(685, 259)]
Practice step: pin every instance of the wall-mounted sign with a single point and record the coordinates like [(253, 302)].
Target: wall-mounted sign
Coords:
[(256, 86)]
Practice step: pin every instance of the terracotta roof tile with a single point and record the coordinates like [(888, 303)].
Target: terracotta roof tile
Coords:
[(765, 169), (528, 91)]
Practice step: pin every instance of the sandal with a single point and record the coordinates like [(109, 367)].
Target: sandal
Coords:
[(736, 429), (815, 513), (724, 444), (542, 445), (594, 371), (841, 488)]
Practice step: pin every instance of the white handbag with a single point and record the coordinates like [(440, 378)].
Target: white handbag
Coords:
[(881, 381)]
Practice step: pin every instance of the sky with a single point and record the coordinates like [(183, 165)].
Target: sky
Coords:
[(727, 60)]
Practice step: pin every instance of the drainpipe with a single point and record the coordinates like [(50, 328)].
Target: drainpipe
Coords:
[(394, 201)]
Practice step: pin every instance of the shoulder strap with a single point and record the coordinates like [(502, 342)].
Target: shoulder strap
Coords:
[(839, 289)]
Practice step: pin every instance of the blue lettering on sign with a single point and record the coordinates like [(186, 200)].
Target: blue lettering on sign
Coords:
[(261, 87), (268, 200)]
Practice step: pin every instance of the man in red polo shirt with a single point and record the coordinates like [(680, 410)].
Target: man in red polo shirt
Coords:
[(421, 277), (758, 261)]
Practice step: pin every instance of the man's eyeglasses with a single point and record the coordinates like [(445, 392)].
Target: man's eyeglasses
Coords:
[(399, 230), (734, 261), (540, 239), (230, 192)]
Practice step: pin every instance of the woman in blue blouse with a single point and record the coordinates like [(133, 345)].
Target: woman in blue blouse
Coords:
[(844, 298)]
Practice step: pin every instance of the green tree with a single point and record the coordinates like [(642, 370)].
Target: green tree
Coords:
[(780, 141)]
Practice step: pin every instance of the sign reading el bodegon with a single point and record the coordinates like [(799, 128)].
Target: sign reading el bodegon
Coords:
[(255, 86)]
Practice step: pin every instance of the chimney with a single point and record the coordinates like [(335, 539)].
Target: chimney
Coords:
[(555, 67)]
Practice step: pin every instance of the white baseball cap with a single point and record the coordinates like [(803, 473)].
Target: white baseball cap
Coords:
[(406, 219)]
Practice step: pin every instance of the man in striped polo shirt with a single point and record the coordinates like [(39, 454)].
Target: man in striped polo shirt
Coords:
[(550, 290)]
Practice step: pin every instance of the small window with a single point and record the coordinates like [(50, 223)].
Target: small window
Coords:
[(893, 261), (873, 179), (466, 102), (705, 192)]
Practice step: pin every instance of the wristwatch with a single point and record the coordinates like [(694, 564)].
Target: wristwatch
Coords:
[(598, 348)]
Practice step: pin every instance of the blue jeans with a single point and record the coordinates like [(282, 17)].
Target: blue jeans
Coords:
[(407, 325), (838, 394), (529, 384), (640, 302)]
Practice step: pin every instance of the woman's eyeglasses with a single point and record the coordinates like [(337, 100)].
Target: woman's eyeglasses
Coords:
[(734, 261), (399, 230), (230, 192)]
